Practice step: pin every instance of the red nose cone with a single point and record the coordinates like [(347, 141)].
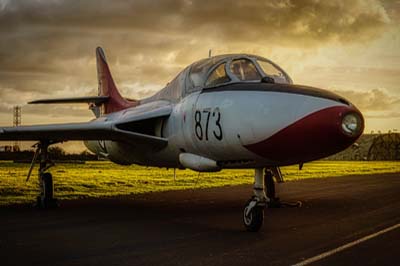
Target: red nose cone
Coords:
[(313, 137)]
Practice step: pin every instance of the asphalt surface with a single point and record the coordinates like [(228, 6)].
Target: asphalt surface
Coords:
[(204, 227)]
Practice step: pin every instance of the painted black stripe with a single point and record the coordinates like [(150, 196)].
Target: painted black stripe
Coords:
[(284, 88)]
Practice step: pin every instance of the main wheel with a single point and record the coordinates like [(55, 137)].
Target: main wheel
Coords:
[(48, 185), (46, 200), (254, 220)]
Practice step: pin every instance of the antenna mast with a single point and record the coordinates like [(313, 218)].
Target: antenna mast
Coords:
[(16, 123)]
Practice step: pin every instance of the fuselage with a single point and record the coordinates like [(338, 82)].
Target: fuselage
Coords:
[(241, 123)]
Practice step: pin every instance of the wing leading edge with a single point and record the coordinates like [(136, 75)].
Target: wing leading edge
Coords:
[(78, 131), (99, 129)]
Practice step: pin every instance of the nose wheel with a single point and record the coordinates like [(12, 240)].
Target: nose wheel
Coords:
[(253, 213)]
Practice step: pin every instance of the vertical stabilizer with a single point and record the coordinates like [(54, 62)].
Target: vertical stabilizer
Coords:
[(107, 87)]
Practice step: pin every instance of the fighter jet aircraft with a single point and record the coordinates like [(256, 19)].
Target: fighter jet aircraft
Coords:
[(226, 111)]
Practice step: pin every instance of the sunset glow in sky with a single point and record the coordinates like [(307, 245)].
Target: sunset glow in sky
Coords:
[(47, 48)]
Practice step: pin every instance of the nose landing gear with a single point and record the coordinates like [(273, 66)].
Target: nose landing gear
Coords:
[(253, 214)]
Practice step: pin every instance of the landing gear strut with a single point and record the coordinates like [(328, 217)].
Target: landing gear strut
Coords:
[(253, 214), (274, 201), (45, 198)]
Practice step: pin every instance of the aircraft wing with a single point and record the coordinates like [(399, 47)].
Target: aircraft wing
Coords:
[(57, 132), (126, 129)]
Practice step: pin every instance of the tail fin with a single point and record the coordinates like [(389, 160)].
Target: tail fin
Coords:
[(107, 87)]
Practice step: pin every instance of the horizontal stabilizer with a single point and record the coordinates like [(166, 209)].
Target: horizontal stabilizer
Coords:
[(97, 100)]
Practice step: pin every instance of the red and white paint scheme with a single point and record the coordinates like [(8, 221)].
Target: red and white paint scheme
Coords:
[(226, 111)]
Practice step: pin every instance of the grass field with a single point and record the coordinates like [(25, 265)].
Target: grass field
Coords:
[(102, 179)]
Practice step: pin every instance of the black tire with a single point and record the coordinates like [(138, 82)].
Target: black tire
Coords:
[(48, 185), (255, 219)]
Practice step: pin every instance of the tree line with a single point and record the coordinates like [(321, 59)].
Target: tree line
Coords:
[(56, 153)]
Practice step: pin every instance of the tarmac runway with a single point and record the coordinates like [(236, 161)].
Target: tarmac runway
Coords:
[(204, 227)]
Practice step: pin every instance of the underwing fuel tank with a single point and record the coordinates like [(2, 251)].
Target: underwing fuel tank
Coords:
[(114, 151), (198, 163), (92, 146)]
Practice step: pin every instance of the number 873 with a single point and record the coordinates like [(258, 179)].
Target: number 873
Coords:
[(208, 120)]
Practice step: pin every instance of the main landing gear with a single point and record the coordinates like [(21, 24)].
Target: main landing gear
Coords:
[(45, 198), (253, 214)]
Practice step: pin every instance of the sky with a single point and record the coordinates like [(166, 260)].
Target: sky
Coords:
[(47, 49)]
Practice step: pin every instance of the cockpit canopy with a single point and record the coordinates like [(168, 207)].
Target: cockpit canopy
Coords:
[(224, 69), (221, 70)]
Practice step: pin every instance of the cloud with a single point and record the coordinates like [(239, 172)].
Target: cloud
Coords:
[(385, 115), (58, 37), (302, 18), (39, 27), (371, 100)]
